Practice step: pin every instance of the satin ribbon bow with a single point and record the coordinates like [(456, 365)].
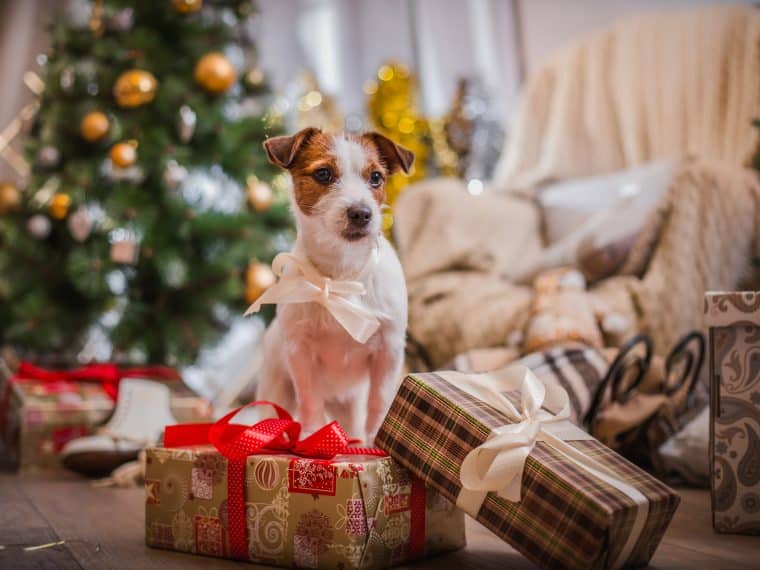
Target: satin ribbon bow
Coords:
[(303, 283), (236, 442), (273, 435), (108, 375), (498, 464)]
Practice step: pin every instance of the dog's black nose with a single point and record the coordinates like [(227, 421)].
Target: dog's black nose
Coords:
[(359, 216)]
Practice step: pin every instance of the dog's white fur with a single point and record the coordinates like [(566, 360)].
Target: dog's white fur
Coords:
[(311, 364)]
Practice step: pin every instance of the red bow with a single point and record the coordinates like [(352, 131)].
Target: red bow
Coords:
[(108, 375), (236, 442)]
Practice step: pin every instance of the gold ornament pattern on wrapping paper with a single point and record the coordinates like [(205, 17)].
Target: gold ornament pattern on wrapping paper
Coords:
[(173, 492), (210, 534), (312, 536), (182, 532), (268, 526), (736, 468), (209, 469), (266, 474)]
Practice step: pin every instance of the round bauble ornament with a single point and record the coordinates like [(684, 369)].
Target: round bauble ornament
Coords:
[(260, 195), (48, 156), (59, 206), (187, 6), (266, 474), (80, 224), (94, 126), (134, 88), (215, 73), (124, 154), (10, 198), (39, 226), (258, 278)]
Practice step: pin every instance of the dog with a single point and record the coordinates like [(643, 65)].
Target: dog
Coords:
[(311, 363)]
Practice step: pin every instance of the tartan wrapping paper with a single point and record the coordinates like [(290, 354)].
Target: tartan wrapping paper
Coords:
[(565, 519), (38, 419), (354, 511)]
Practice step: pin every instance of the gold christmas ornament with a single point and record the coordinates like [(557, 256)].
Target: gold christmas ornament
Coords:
[(260, 195), (124, 154), (258, 278), (215, 73), (94, 126), (187, 6), (10, 198), (59, 206), (134, 88)]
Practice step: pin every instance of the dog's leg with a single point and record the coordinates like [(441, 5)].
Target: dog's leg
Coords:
[(384, 371), (310, 406)]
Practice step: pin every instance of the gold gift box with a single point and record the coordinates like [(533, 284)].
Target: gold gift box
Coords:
[(354, 511), (37, 419)]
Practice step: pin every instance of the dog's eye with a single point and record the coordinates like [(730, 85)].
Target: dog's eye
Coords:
[(375, 179), (322, 175)]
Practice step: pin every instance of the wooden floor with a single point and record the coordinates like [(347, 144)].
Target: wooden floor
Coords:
[(103, 528)]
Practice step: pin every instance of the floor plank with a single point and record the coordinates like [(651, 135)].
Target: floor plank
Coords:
[(104, 529)]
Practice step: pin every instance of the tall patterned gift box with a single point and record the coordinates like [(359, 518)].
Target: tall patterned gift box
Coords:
[(734, 337), (311, 510), (41, 410), (501, 448)]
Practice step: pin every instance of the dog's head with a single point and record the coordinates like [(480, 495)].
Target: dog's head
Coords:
[(338, 181)]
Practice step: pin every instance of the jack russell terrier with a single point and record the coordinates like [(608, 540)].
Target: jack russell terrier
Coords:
[(336, 346)]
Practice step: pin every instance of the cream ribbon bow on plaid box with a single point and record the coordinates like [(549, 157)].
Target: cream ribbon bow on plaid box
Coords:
[(497, 465), (300, 282)]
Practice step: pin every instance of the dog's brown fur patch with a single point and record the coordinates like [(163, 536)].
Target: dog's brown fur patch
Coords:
[(309, 150)]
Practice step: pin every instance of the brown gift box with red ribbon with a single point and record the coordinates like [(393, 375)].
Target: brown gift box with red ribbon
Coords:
[(260, 494), (41, 410)]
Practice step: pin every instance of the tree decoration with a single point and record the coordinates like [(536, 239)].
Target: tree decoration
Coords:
[(48, 156), (59, 206), (135, 88), (258, 278), (10, 198), (80, 224), (94, 126), (39, 226), (215, 73), (125, 246), (145, 249), (392, 103), (260, 195), (187, 6), (174, 175), (186, 123), (124, 154)]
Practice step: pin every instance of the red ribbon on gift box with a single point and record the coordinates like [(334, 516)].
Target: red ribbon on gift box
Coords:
[(108, 375), (277, 435)]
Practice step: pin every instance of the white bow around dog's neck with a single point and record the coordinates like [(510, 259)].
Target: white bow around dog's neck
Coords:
[(303, 283)]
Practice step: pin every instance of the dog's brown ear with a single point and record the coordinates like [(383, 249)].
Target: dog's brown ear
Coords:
[(282, 151), (395, 156)]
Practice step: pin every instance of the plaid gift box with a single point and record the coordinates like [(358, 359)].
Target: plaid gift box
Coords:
[(568, 515), (734, 339), (38, 416)]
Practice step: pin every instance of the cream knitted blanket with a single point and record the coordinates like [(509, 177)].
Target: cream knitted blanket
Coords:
[(663, 85)]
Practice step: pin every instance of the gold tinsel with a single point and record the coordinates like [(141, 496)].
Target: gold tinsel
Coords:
[(392, 102)]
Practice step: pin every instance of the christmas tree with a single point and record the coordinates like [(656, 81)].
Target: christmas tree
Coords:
[(150, 214)]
